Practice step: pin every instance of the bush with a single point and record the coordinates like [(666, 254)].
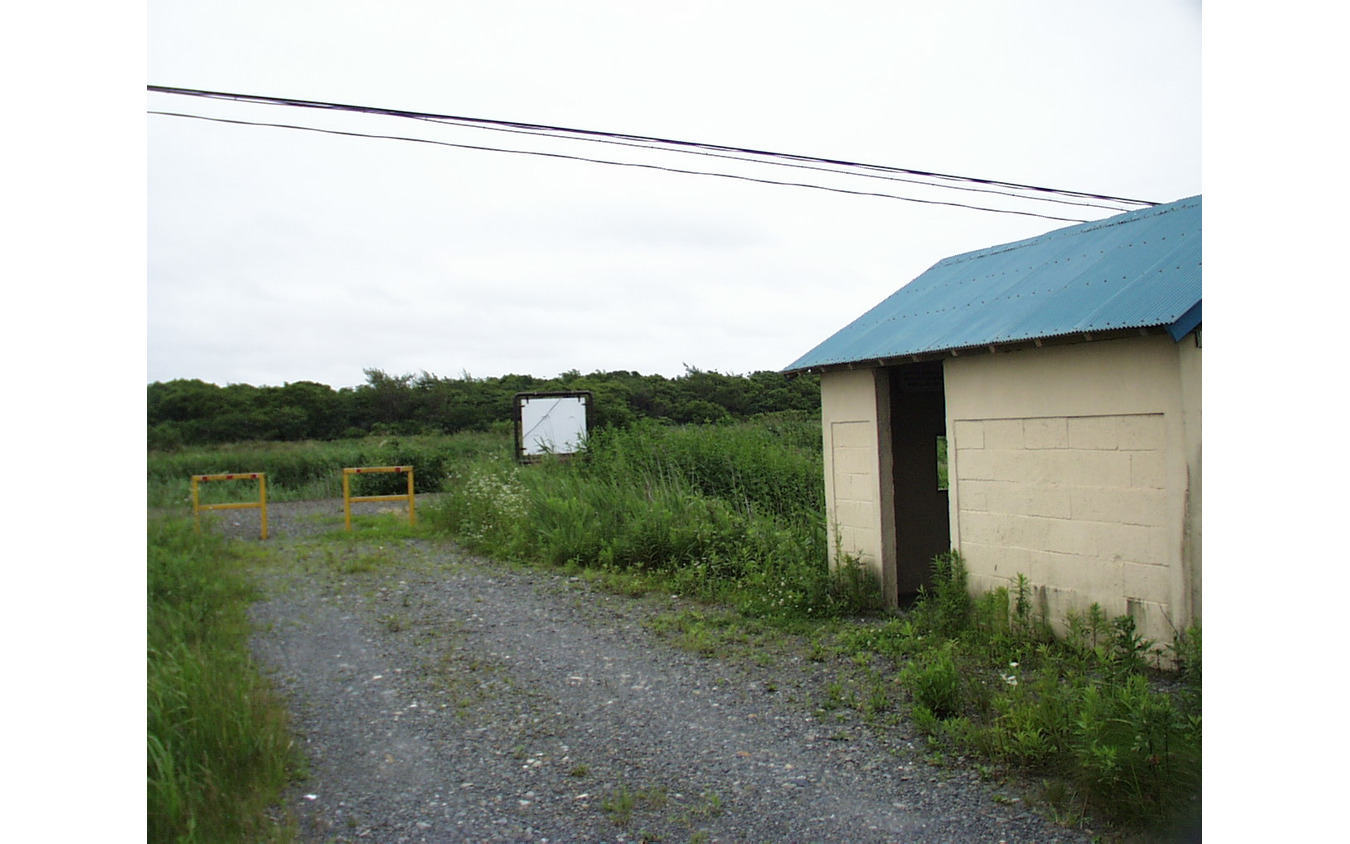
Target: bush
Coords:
[(935, 684)]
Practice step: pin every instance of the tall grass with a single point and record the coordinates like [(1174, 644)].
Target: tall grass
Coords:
[(732, 512), (218, 747), (312, 470)]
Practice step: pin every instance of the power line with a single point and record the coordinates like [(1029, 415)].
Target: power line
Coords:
[(589, 133), (615, 163), (783, 163), (945, 181)]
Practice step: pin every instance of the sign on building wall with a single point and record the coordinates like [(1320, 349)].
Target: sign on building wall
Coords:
[(551, 423)]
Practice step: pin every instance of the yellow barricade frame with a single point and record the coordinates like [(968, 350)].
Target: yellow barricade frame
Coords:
[(260, 504), (348, 498)]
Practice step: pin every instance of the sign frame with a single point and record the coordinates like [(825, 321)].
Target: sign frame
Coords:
[(561, 435)]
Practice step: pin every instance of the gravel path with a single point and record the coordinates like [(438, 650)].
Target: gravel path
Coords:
[(446, 698)]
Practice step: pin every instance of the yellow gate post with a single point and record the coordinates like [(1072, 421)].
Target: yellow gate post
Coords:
[(260, 504), (348, 498)]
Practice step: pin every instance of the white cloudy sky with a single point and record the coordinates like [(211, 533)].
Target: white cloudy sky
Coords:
[(277, 255)]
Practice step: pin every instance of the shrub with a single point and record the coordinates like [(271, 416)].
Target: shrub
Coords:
[(1136, 751), (946, 602), (935, 683)]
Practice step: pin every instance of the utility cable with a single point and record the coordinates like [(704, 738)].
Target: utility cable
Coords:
[(670, 145), (802, 166), (614, 163), (644, 140)]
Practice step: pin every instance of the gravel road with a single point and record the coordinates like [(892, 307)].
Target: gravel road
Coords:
[(442, 697)]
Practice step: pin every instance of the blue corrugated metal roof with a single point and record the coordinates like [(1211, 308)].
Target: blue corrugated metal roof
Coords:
[(1135, 270)]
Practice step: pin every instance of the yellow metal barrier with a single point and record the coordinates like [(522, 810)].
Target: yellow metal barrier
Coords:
[(261, 503), (348, 498)]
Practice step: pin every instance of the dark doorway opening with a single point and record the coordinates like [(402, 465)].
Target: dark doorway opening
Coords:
[(918, 450)]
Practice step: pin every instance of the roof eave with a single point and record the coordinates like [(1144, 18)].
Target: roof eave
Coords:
[(1172, 330), (1186, 324)]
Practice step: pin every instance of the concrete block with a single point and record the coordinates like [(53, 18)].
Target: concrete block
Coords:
[(1049, 500), (1146, 582), (987, 528), (967, 433), (973, 495), (1130, 505), (1092, 468), (1152, 620), (856, 514), (1100, 579), (1003, 433), (1065, 536), (1050, 432), (1014, 465), (853, 460), (853, 434), (1148, 469), (1128, 543), (1143, 432), (1094, 433), (996, 562), (856, 487), (975, 464)]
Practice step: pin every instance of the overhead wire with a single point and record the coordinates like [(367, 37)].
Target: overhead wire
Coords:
[(600, 135), (908, 175), (616, 163), (785, 163)]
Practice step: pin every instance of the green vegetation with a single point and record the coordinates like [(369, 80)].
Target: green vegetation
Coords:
[(730, 513), (218, 745), (193, 413), (621, 804), (1087, 715), (313, 470)]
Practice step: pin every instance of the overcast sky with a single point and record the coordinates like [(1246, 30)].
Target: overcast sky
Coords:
[(279, 255)]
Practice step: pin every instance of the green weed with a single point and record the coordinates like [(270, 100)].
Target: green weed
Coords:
[(728, 512), (731, 515), (217, 740), (620, 804), (995, 683), (935, 683)]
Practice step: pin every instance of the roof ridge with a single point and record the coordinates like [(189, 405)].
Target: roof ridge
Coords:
[(1074, 230)]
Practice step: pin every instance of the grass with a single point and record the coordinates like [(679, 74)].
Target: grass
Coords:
[(624, 803), (620, 804), (219, 750), (1090, 716), (729, 515), (298, 471), (726, 515)]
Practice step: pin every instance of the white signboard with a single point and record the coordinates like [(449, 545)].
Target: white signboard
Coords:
[(550, 423)]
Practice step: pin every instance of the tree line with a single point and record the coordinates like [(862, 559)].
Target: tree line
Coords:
[(193, 412)]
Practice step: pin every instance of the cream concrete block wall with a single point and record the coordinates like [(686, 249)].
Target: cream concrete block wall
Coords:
[(1072, 465), (852, 420)]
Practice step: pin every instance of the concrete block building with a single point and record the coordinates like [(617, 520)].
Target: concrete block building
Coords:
[(1035, 406)]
